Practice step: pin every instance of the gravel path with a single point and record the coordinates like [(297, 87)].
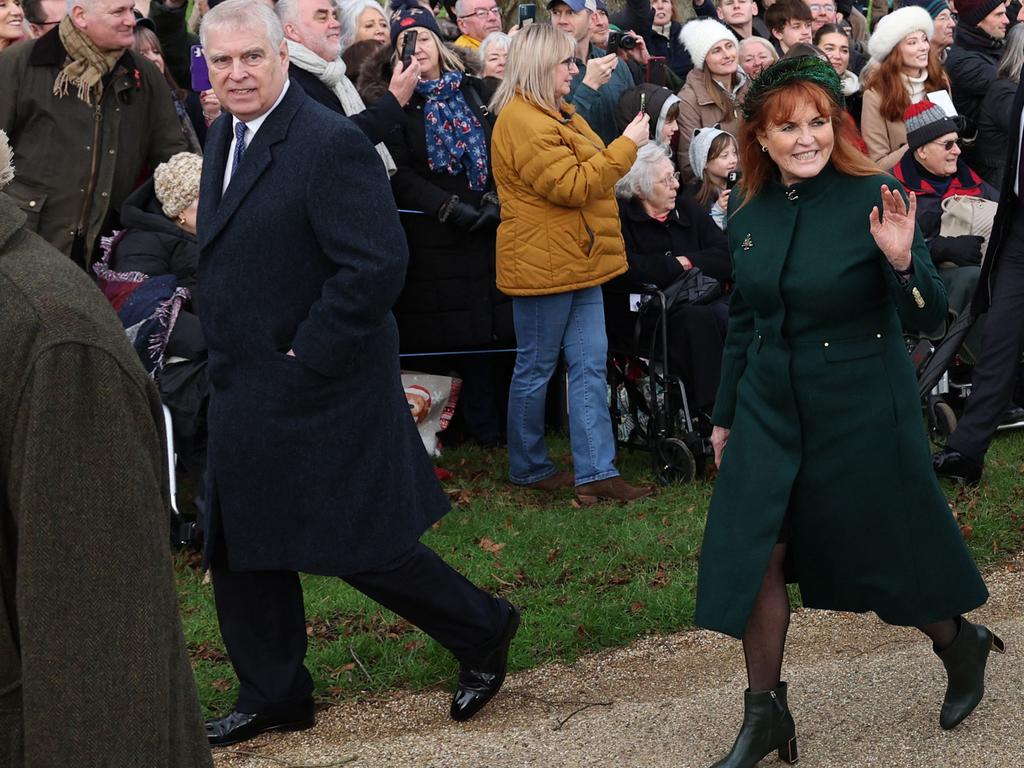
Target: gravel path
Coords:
[(863, 694)]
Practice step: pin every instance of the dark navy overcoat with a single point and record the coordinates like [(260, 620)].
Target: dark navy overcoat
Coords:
[(314, 462)]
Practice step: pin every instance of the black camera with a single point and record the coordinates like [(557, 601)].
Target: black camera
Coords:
[(623, 40)]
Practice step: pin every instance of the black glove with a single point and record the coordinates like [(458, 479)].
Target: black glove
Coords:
[(460, 214), (488, 220), (963, 250)]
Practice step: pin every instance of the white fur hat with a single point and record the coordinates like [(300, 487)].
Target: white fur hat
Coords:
[(893, 27), (701, 35), (6, 156)]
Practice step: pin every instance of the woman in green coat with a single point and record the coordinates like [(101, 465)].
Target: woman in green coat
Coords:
[(825, 477)]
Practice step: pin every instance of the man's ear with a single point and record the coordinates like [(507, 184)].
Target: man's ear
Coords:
[(776, 33), (78, 16)]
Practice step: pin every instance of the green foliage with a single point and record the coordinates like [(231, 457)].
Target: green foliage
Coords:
[(586, 578)]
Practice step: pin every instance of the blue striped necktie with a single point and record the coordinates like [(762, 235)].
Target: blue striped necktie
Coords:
[(240, 129)]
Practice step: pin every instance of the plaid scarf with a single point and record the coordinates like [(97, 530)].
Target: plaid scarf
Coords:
[(455, 138), (87, 65)]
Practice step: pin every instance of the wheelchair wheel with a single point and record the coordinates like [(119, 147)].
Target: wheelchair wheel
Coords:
[(675, 463), (943, 419)]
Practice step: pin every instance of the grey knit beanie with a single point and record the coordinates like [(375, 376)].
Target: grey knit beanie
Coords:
[(700, 146), (176, 182)]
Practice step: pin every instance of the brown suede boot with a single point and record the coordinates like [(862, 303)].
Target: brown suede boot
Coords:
[(611, 489)]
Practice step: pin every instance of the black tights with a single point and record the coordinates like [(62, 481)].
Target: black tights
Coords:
[(765, 638)]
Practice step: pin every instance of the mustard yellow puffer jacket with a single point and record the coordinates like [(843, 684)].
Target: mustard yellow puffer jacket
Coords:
[(559, 228)]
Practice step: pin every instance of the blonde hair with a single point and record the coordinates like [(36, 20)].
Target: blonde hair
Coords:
[(532, 58), (448, 60)]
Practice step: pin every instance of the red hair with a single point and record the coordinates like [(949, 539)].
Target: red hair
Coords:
[(887, 81), (779, 107)]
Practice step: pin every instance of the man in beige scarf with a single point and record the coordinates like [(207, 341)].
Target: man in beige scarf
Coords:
[(86, 118)]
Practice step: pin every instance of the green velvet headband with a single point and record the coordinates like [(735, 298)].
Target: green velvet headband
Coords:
[(809, 68)]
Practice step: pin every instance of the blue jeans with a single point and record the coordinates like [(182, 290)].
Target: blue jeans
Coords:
[(544, 324)]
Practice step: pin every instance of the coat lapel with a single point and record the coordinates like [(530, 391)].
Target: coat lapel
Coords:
[(257, 159)]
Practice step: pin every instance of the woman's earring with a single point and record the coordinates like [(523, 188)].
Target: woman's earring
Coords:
[(181, 220), (764, 147)]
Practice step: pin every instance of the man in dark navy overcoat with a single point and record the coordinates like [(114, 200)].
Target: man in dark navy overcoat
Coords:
[(315, 464)]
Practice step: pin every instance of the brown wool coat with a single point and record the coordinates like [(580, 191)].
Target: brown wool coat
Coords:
[(93, 669), (559, 228), (886, 139)]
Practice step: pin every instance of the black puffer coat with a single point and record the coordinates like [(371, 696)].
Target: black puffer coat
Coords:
[(449, 301), (971, 65), (155, 245), (994, 118)]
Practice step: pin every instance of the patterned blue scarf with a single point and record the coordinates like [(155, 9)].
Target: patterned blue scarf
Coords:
[(455, 138)]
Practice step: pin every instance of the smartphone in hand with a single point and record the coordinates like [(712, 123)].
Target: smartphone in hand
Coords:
[(732, 178), (527, 14), (408, 48), (199, 70)]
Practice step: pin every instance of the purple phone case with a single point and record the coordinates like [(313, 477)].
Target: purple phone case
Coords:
[(199, 70)]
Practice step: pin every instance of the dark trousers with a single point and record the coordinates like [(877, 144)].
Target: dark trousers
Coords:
[(263, 622), (1002, 343)]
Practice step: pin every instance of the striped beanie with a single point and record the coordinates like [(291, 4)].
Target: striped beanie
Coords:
[(925, 122)]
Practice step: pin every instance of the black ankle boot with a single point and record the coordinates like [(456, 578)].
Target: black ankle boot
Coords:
[(767, 726), (965, 661)]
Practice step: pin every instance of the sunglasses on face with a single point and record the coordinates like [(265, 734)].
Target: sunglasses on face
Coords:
[(947, 146)]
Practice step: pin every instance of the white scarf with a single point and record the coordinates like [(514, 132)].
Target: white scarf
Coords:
[(915, 86), (332, 74)]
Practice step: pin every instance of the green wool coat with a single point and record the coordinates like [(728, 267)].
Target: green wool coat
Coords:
[(93, 669), (826, 426)]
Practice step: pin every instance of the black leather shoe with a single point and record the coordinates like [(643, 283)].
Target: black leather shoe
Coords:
[(954, 465), (240, 726), (478, 683)]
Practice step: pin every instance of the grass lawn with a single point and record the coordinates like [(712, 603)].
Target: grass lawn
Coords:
[(585, 578)]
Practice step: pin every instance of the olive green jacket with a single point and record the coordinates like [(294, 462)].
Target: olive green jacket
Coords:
[(827, 445), (93, 669), (77, 163)]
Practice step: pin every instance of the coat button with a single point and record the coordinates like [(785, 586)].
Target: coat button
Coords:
[(31, 203), (88, 148), (826, 343), (104, 194), (110, 151), (878, 335)]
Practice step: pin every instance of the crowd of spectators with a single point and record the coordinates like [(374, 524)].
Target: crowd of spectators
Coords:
[(121, 95)]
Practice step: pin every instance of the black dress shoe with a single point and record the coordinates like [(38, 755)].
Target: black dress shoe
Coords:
[(956, 466), (240, 726), (479, 682)]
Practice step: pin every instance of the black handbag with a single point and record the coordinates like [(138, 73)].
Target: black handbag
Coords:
[(691, 287)]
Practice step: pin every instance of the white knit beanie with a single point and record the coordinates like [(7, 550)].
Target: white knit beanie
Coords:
[(701, 35), (895, 26), (176, 182), (700, 147), (6, 158)]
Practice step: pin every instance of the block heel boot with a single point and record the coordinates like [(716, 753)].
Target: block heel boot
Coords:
[(767, 726), (965, 660)]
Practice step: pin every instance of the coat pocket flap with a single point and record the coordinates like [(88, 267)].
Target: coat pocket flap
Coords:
[(854, 349)]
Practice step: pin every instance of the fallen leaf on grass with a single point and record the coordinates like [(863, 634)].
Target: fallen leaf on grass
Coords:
[(553, 554), (220, 684), (661, 577), (637, 607), (967, 530), (576, 504), (489, 545)]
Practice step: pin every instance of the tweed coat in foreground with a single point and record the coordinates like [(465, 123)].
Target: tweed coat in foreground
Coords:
[(314, 462), (93, 669), (821, 399)]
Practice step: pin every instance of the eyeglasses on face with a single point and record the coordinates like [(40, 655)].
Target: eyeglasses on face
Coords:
[(482, 13), (947, 146), (818, 8), (570, 62), (671, 179)]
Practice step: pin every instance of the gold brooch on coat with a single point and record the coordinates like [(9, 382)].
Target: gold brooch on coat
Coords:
[(918, 298), (748, 243)]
